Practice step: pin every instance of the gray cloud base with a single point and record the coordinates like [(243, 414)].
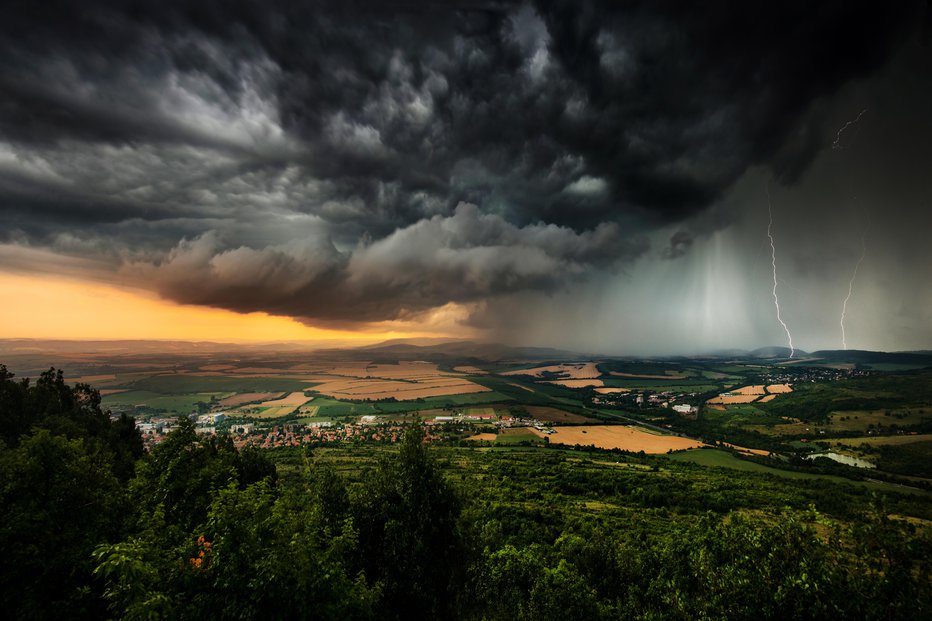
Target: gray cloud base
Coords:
[(348, 162)]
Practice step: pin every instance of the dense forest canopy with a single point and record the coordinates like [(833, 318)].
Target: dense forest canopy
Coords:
[(94, 527)]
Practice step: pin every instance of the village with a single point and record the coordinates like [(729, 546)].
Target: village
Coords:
[(365, 430)]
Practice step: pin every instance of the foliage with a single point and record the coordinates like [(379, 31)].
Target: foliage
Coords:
[(198, 529)]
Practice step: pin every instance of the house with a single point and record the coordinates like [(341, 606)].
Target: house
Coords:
[(686, 411)]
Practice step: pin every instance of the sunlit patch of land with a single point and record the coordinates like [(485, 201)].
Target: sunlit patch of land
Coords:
[(403, 381), (750, 394), (575, 371), (247, 397), (577, 383), (294, 399), (620, 437)]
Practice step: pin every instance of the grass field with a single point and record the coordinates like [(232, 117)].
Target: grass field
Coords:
[(178, 404), (307, 420), (439, 402), (480, 411), (555, 415), (341, 409), (861, 420), (518, 435), (677, 386), (247, 397), (723, 459), (272, 412), (897, 440), (186, 384)]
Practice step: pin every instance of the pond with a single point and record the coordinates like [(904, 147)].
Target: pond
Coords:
[(848, 460)]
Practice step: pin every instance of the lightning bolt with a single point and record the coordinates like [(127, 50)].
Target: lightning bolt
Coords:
[(844, 306), (837, 143), (773, 262)]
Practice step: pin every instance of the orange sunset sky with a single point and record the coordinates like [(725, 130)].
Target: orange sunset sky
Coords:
[(58, 308)]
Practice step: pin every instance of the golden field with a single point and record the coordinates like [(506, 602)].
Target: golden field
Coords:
[(620, 437), (578, 370)]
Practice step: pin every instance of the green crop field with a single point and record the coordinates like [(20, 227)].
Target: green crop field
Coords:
[(178, 404), (428, 403), (699, 385), (480, 411), (341, 409), (506, 439), (862, 420), (181, 384), (724, 459)]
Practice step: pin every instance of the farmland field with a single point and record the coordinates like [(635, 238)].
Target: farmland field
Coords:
[(518, 435), (885, 440), (272, 412), (731, 399), (582, 370), (554, 415), (247, 397), (576, 383), (181, 384), (862, 420), (294, 399), (669, 375), (484, 412), (402, 382), (178, 404), (620, 437)]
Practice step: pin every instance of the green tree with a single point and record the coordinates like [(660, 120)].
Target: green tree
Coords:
[(180, 476), (409, 542), (57, 502)]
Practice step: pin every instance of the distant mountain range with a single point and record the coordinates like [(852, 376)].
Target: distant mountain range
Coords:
[(439, 350)]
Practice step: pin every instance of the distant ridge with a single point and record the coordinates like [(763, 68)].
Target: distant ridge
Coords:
[(874, 357), (408, 349), (776, 352), (437, 349)]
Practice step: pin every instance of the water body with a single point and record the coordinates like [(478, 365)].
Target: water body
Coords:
[(844, 459)]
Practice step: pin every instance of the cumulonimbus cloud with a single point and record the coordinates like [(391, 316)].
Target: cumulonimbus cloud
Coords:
[(466, 257)]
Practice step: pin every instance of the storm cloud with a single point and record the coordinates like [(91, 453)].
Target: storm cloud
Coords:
[(352, 162), (464, 258)]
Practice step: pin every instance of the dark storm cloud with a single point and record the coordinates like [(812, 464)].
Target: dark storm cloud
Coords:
[(254, 143), (466, 258), (680, 243)]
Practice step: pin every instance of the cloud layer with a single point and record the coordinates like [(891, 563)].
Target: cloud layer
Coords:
[(352, 162)]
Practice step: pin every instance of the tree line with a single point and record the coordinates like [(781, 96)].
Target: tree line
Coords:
[(94, 527)]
